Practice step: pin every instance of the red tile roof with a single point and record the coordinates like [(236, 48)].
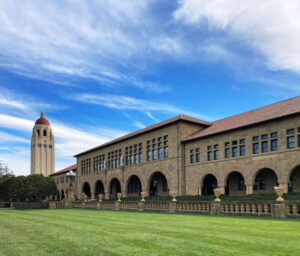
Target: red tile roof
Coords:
[(259, 115), (72, 167), (150, 128)]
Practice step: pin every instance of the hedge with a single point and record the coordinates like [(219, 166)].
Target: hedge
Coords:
[(4, 204), (35, 205)]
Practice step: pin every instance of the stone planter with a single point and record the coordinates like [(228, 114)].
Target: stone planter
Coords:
[(173, 194), (217, 193), (119, 195), (279, 191), (143, 194)]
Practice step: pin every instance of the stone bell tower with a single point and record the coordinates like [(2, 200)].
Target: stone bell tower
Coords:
[(42, 148)]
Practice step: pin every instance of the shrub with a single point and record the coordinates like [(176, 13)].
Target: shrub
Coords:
[(4, 204), (35, 205)]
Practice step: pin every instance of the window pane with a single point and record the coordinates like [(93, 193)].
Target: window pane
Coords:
[(197, 157), (264, 146), (227, 152), (290, 131), (255, 148), (291, 142), (274, 145), (234, 152), (242, 150), (255, 138)]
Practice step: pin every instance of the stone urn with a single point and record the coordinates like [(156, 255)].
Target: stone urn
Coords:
[(143, 194), (173, 194), (217, 193), (119, 195), (279, 191), (84, 196), (100, 197)]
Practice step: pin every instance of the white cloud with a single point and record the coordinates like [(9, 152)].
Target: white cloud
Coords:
[(270, 27), (6, 137), (68, 141), (131, 103), (99, 40)]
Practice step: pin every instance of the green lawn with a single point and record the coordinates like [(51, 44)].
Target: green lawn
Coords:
[(98, 232)]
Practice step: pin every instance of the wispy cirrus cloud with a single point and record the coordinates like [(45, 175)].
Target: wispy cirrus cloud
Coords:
[(131, 103)]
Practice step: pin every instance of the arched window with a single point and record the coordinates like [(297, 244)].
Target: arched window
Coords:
[(45, 133)]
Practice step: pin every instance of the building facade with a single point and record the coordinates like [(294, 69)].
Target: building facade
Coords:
[(242, 154), (42, 148), (63, 182)]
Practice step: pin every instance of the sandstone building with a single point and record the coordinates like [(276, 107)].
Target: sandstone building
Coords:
[(242, 154), (42, 148)]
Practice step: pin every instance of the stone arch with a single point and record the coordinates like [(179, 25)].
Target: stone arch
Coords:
[(208, 183), (158, 184), (114, 187), (264, 181), (235, 183), (86, 189), (99, 188), (294, 179), (134, 186)]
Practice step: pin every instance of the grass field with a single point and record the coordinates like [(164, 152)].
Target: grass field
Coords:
[(93, 232)]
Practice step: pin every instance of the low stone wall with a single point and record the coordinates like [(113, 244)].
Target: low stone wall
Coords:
[(290, 209)]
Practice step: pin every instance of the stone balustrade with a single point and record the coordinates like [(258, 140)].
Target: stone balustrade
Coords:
[(246, 208), (290, 209)]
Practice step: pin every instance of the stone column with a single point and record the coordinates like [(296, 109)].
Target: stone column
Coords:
[(124, 194), (92, 195), (106, 194), (249, 189)]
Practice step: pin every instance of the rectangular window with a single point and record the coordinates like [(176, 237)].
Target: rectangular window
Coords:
[(131, 159), (197, 157), (264, 146), (255, 138), (166, 152), (209, 155), (242, 150), (255, 148), (291, 142), (242, 141), (148, 155), (274, 145), (140, 158), (136, 159), (192, 158), (290, 131), (227, 152), (234, 152), (298, 140), (264, 136), (234, 142), (209, 147), (274, 135), (216, 146), (216, 154), (227, 144), (160, 154), (154, 154)]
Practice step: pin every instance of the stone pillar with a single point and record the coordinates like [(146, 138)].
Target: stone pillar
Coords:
[(106, 194), (200, 191), (124, 194), (278, 210), (249, 189), (172, 207), (215, 208), (92, 195), (98, 205), (117, 206), (141, 206)]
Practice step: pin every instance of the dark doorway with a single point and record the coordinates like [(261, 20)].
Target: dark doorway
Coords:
[(209, 183), (158, 185), (87, 190)]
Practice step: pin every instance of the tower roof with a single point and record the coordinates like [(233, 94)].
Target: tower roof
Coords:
[(42, 120)]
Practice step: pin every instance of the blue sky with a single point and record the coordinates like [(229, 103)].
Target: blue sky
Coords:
[(100, 69)]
